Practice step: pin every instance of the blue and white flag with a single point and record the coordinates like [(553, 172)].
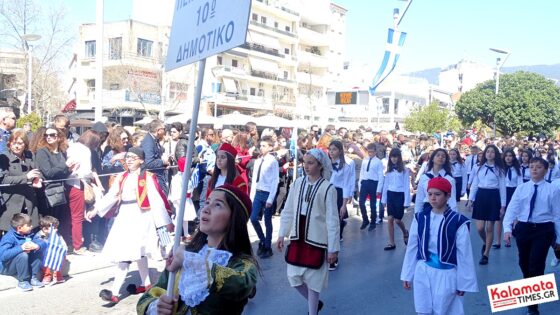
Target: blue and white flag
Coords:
[(395, 40), (56, 251)]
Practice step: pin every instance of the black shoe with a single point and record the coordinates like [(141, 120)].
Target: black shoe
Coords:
[(371, 227), (267, 253), (390, 247), (496, 246), (260, 251), (95, 247), (364, 225), (483, 260), (333, 267)]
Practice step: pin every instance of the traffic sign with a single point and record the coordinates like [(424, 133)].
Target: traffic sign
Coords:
[(203, 28)]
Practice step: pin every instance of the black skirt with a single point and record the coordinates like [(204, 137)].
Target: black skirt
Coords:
[(395, 204), (509, 194), (458, 187), (487, 205)]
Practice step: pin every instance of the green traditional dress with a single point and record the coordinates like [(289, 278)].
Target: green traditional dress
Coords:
[(227, 291)]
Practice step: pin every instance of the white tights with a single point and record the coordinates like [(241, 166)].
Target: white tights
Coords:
[(122, 271), (311, 296)]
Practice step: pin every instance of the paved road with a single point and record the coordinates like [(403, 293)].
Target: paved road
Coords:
[(367, 282)]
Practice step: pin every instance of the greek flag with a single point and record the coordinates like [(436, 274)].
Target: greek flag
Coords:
[(164, 236), (395, 40), (194, 180), (56, 251)]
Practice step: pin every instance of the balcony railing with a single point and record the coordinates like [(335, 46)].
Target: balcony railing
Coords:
[(261, 48), (273, 4), (270, 28), (270, 76)]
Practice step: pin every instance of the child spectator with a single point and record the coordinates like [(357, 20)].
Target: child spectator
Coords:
[(21, 253), (49, 225), (439, 260)]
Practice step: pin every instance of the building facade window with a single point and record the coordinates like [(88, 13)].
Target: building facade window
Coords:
[(220, 60), (263, 19), (90, 49), (115, 48), (252, 91), (275, 24), (396, 106), (114, 86), (234, 63), (286, 75), (288, 29), (287, 51), (255, 17), (144, 47), (385, 107)]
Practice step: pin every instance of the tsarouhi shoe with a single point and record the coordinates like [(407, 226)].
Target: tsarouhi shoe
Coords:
[(107, 295)]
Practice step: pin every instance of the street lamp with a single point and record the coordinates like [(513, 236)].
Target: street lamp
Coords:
[(499, 64), (29, 38)]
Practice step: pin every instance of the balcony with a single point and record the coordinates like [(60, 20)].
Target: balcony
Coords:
[(313, 59), (312, 37), (242, 101), (276, 5), (270, 28), (261, 48), (229, 71), (313, 79)]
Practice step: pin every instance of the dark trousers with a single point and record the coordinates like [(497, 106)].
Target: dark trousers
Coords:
[(533, 242), (368, 188), (339, 202), (259, 205), (24, 266)]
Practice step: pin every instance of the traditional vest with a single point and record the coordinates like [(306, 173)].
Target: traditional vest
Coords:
[(142, 191), (447, 232)]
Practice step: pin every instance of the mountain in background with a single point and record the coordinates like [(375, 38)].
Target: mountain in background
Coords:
[(549, 71)]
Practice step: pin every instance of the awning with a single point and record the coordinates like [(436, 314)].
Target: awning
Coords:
[(263, 65), (230, 85), (260, 39)]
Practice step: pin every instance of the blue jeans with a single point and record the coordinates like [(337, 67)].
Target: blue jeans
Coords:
[(24, 266), (368, 188), (259, 204)]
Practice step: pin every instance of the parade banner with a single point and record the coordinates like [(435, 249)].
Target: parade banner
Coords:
[(525, 292)]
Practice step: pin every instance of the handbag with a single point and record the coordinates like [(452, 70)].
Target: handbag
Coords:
[(299, 253), (55, 195), (89, 195)]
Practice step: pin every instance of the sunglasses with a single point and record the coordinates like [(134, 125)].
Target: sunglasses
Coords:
[(52, 135), (124, 138)]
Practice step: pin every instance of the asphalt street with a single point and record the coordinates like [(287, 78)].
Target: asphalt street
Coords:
[(366, 282)]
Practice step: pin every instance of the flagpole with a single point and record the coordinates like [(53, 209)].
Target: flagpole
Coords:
[(187, 172)]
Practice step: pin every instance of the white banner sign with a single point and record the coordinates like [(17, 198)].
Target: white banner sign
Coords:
[(525, 292), (203, 28)]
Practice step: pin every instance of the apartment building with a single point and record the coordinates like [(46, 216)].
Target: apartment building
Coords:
[(465, 75), (294, 52), (13, 67)]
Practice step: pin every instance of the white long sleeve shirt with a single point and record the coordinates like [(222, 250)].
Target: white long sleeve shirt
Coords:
[(546, 205), (489, 177), (374, 173), (470, 163), (344, 177), (460, 170), (552, 174), (81, 154), (422, 191), (525, 173), (512, 178), (267, 179), (398, 182)]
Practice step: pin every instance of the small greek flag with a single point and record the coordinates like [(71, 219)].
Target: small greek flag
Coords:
[(164, 236), (56, 251), (395, 40), (194, 180)]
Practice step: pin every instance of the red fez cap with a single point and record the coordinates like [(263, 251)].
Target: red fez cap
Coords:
[(240, 197), (440, 183), (228, 148)]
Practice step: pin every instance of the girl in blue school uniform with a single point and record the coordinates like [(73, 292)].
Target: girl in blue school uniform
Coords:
[(438, 166), (343, 178), (459, 173), (526, 157), (488, 197), (396, 195), (553, 170), (513, 179)]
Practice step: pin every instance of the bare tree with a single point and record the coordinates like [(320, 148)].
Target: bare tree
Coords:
[(18, 18)]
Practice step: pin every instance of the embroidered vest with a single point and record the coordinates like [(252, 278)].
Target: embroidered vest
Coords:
[(447, 232), (142, 191)]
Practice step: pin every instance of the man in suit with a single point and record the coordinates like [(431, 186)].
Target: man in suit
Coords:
[(154, 153)]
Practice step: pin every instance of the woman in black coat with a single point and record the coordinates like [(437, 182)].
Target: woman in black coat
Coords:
[(17, 169)]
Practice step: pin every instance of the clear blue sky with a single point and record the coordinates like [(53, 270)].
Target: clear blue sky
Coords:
[(440, 32)]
